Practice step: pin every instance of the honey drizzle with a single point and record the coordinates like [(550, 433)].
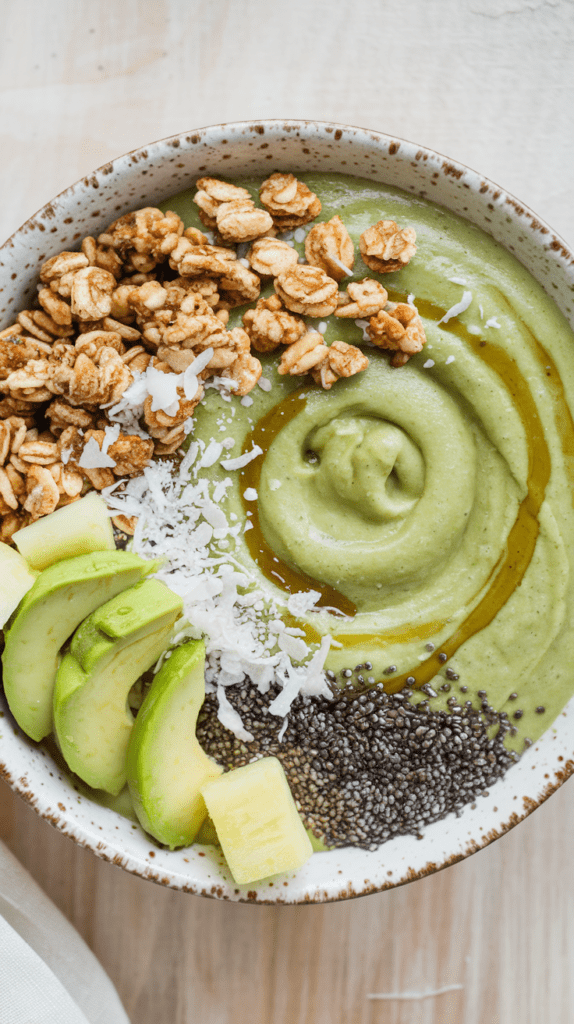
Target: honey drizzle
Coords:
[(524, 532), (521, 539)]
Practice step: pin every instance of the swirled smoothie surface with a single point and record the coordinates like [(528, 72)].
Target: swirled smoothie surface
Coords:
[(429, 505)]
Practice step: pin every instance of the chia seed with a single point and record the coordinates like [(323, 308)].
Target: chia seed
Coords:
[(364, 768)]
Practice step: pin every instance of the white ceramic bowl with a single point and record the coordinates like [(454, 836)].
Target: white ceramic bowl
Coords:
[(146, 177)]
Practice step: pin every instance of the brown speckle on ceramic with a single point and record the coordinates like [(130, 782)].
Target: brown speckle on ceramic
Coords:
[(148, 176)]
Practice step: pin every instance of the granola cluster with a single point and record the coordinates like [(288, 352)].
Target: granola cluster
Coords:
[(149, 297)]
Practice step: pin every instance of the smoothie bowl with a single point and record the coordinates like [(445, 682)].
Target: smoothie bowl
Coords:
[(322, 380)]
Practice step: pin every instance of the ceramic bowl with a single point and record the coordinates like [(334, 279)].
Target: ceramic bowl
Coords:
[(143, 178)]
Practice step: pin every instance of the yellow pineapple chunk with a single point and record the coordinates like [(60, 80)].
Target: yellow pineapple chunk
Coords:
[(256, 820)]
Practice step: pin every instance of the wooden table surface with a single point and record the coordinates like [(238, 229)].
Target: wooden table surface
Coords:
[(489, 82)]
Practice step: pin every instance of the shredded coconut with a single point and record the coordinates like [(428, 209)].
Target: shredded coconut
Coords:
[(459, 307), (493, 322), (93, 457), (180, 515), (347, 270), (242, 460)]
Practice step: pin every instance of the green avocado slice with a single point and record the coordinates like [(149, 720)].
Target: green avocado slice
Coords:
[(166, 766), (92, 721), (63, 595)]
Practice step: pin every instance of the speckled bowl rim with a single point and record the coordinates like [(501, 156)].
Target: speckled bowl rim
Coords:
[(294, 145)]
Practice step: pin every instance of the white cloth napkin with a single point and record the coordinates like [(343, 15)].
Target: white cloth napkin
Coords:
[(47, 973)]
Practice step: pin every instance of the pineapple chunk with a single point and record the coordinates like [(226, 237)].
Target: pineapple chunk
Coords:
[(256, 820)]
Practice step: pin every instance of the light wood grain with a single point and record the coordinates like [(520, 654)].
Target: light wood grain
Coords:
[(499, 924), (489, 82)]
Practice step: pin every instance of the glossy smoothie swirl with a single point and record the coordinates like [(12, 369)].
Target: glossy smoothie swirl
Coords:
[(430, 506)]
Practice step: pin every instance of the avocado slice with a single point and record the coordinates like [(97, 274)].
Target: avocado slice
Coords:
[(16, 578), (76, 529), (51, 610), (166, 766), (92, 720)]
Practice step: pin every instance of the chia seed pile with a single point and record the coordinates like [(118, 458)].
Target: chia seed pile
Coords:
[(366, 767)]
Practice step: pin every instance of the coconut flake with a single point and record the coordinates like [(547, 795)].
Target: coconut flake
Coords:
[(200, 362), (342, 266), (493, 322), (163, 390), (264, 384), (211, 454), (296, 649), (93, 457), (230, 718), (459, 307), (302, 602), (250, 494), (242, 460)]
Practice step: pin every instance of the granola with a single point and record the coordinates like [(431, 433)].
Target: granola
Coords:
[(289, 201), (362, 299), (341, 360), (398, 328), (329, 246), (110, 313), (386, 247), (270, 325), (270, 257), (307, 290)]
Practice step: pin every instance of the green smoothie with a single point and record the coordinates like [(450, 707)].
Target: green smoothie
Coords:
[(430, 506)]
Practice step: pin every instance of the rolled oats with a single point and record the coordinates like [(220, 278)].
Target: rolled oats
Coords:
[(398, 328), (212, 193), (270, 257), (386, 247), (42, 494), (270, 325), (126, 524), (41, 326), (245, 371), (342, 360), (303, 355), (238, 285), (201, 260), (40, 453), (307, 290), (241, 221), (330, 247), (363, 299), (143, 238), (91, 293), (61, 415), (55, 307), (11, 522), (289, 201), (15, 355), (7, 491)]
